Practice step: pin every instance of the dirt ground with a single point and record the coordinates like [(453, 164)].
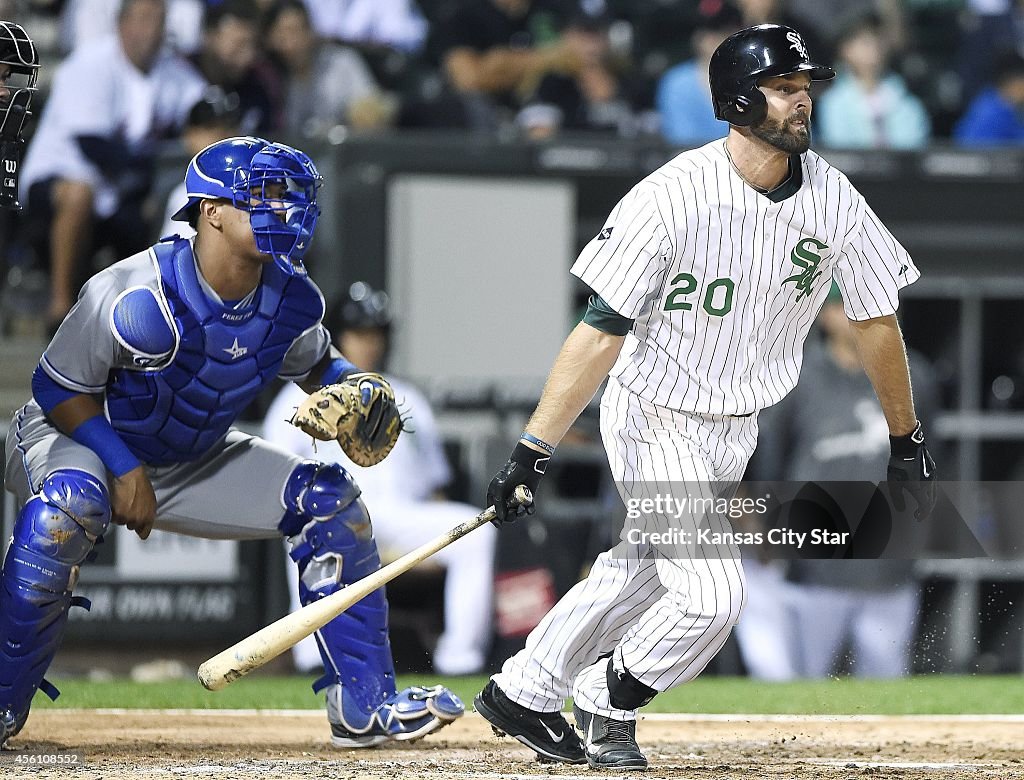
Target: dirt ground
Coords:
[(291, 744)]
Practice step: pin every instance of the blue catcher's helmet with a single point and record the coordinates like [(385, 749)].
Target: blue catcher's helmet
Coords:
[(275, 183)]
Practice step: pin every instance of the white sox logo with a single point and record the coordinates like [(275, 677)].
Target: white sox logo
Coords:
[(806, 255), (797, 44)]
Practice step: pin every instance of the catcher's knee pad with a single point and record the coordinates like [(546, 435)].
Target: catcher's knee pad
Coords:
[(316, 491), (331, 540), (625, 692), (53, 534)]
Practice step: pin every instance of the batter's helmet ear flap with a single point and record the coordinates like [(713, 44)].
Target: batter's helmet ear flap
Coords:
[(747, 109)]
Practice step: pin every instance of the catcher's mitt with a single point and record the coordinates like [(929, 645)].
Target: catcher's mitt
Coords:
[(360, 413)]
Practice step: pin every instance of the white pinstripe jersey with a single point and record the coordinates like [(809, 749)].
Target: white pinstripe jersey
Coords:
[(723, 283)]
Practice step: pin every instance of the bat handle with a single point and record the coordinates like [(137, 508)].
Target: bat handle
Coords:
[(522, 496)]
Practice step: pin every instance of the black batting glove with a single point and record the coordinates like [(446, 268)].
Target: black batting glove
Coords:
[(524, 467), (911, 470)]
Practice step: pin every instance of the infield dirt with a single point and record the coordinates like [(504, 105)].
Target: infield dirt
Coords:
[(293, 744)]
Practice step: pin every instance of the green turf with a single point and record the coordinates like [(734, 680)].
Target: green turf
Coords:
[(918, 695)]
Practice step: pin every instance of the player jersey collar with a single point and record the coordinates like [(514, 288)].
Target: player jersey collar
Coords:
[(792, 184), (789, 186)]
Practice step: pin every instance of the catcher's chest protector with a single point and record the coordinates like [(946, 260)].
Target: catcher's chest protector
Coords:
[(223, 359)]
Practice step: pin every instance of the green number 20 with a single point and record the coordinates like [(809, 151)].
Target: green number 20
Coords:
[(689, 285)]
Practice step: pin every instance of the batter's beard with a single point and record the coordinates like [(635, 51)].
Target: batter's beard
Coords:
[(782, 136)]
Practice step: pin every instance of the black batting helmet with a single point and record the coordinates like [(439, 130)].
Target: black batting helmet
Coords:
[(360, 308), (745, 58)]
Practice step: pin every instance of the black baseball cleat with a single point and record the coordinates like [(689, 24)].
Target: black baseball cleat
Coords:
[(609, 744), (548, 734)]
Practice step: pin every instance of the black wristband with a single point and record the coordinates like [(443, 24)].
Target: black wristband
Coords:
[(906, 446), (529, 458)]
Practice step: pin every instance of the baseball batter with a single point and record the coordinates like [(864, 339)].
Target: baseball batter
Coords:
[(131, 422), (706, 278)]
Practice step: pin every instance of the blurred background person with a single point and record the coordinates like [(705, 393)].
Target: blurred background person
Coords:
[(684, 92), (325, 84), (989, 29), (599, 97), (831, 429), (89, 166), (494, 53), (88, 20), (230, 58), (868, 106), (822, 17), (396, 24), (212, 119), (781, 12), (404, 493), (996, 115)]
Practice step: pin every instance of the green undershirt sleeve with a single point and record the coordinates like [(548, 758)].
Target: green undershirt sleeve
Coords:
[(603, 317)]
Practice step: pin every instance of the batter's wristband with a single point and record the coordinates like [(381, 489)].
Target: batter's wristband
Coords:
[(98, 435), (548, 448), (906, 446)]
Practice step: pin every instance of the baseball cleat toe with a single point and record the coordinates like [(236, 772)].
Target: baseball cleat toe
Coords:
[(548, 734), (608, 743)]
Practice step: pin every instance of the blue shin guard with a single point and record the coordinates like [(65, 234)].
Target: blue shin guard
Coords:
[(53, 534), (331, 540)]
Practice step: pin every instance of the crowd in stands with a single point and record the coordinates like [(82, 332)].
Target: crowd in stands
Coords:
[(910, 70), (120, 77)]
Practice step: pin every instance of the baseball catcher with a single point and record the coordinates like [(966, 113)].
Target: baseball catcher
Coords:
[(131, 422)]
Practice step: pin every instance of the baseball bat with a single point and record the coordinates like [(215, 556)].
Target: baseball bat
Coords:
[(269, 642)]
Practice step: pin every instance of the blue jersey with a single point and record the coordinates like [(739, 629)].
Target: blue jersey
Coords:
[(176, 365)]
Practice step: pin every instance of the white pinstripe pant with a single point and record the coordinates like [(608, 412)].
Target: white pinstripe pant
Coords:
[(663, 618)]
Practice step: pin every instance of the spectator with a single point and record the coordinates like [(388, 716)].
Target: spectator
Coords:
[(684, 92), (395, 24), (869, 106), (229, 59), (779, 12), (989, 28), (88, 20), (994, 117), (212, 119), (88, 167), (831, 428), (326, 84), (403, 492), (495, 53), (822, 17), (597, 98)]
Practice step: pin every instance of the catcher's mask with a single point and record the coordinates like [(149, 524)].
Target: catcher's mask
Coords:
[(19, 67), (275, 183)]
